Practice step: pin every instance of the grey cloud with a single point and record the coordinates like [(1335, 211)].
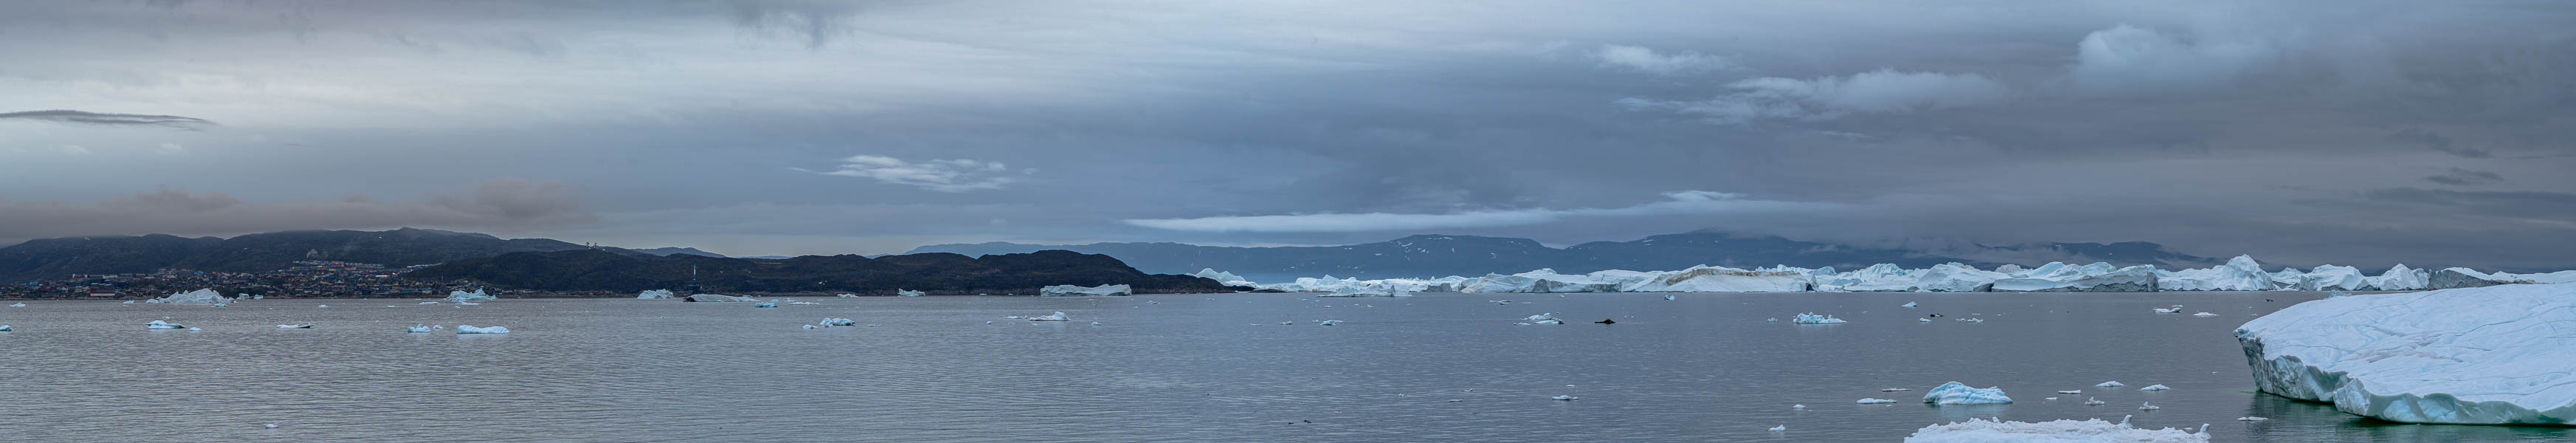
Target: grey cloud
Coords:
[(1676, 203), (499, 204), (952, 175), (2132, 60), (2464, 177), (2438, 142), (2541, 206), (107, 119), (1647, 60), (1826, 98)]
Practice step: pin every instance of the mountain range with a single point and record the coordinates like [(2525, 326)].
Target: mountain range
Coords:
[(1442, 255), (62, 257)]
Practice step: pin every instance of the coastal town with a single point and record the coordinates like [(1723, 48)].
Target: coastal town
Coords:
[(304, 279)]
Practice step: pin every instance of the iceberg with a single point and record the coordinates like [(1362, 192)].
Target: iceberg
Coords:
[(656, 294), (1079, 291), (2154, 388), (766, 304), (1873, 401), (716, 298), (1706, 278), (201, 296), (2455, 278), (1544, 319), (908, 293), (2487, 355), (2239, 274), (2204, 314), (1058, 316), (2059, 277), (1222, 277), (839, 322), (429, 303), (157, 324), (1977, 430), (5, 328), (2110, 384), (477, 295), (2400, 278), (417, 329), (1812, 318), (470, 329), (1955, 393)]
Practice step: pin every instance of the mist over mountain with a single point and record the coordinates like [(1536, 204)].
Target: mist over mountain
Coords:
[(1439, 255)]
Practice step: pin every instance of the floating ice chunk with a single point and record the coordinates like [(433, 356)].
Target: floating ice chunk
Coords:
[(2144, 406), (5, 328), (2204, 314), (813, 327), (2071, 392), (1923, 320), (1668, 297), (1812, 318), (847, 295), (804, 303), (654, 294), (716, 298), (1565, 398), (1977, 430), (839, 322), (1058, 316), (2089, 401), (1955, 393), (1092, 323), (429, 303), (157, 324), (1895, 389), (1797, 406), (323, 306), (195, 329), (2154, 388), (2488, 355), (766, 304), (1080, 291), (1544, 319), (17, 305), (201, 296), (1909, 304), (1872, 401), (1773, 319), (2110, 384), (129, 302), (1331, 322), (301, 326), (417, 329), (219, 305), (2176, 309), (908, 293), (2251, 418), (477, 295), (1779, 428), (2049, 398), (468, 303), (470, 329)]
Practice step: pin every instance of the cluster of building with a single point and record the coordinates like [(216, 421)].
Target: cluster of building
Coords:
[(302, 279)]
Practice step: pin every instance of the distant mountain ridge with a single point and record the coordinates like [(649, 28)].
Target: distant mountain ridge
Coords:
[(61, 257), (935, 273), (1442, 255)]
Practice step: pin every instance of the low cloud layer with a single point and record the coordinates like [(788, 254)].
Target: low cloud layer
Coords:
[(502, 204), (107, 119), (1680, 203), (953, 175)]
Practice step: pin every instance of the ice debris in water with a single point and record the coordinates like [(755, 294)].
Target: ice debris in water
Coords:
[(323, 306), (2154, 388), (417, 329), (1923, 320), (429, 303), (1977, 430), (470, 329), (2176, 309), (654, 294), (1812, 318), (18, 305), (813, 327), (1955, 393), (1565, 398), (2251, 418), (468, 303), (908, 293), (766, 304), (1058, 316), (1331, 322), (477, 295), (2110, 384), (2071, 392), (2204, 314), (1779, 428), (301, 326), (1909, 304), (2147, 406), (839, 322), (2090, 401), (1894, 389), (1872, 401), (1544, 319), (5, 328), (157, 324)]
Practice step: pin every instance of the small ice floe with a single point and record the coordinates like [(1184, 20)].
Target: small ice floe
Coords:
[(1779, 428), (1668, 297), (269, 426), (1012, 317), (429, 303), (2089, 430), (1544, 319), (2154, 388), (470, 329), (220, 305), (1873, 401), (2076, 391), (301, 326), (1092, 323), (1813, 319), (1895, 389), (908, 293), (6, 328), (804, 303), (1330, 322), (1565, 398), (129, 302), (1909, 304), (2147, 406), (2110, 384), (197, 329), (1973, 320), (2203, 314), (157, 324), (2254, 418), (417, 329), (2089, 401), (841, 322), (1059, 316), (813, 327), (323, 306), (1501, 302), (1955, 393), (847, 295), (17, 305), (1923, 320), (2176, 309), (1797, 406), (1773, 319), (766, 304)]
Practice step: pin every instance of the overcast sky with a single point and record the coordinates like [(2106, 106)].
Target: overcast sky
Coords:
[(2354, 132)]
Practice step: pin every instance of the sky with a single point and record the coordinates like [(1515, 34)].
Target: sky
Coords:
[(2350, 132)]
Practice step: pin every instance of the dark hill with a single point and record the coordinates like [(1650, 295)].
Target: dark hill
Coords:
[(61, 257), (937, 273)]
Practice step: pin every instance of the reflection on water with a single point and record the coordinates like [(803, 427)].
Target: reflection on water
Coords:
[(1192, 368)]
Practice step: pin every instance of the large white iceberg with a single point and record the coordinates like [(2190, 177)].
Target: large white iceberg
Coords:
[(2055, 431), (2061, 277), (1079, 291), (1222, 277), (470, 329), (2490, 355), (2239, 274), (477, 295), (656, 294), (201, 296), (1955, 393), (1723, 279), (2453, 278)]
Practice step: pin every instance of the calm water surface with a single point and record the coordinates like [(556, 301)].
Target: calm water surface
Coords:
[(1437, 367)]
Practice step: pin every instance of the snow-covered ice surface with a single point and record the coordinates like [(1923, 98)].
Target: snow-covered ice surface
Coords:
[(461, 296), (2488, 355), (1081, 291), (2054, 431), (1955, 393)]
